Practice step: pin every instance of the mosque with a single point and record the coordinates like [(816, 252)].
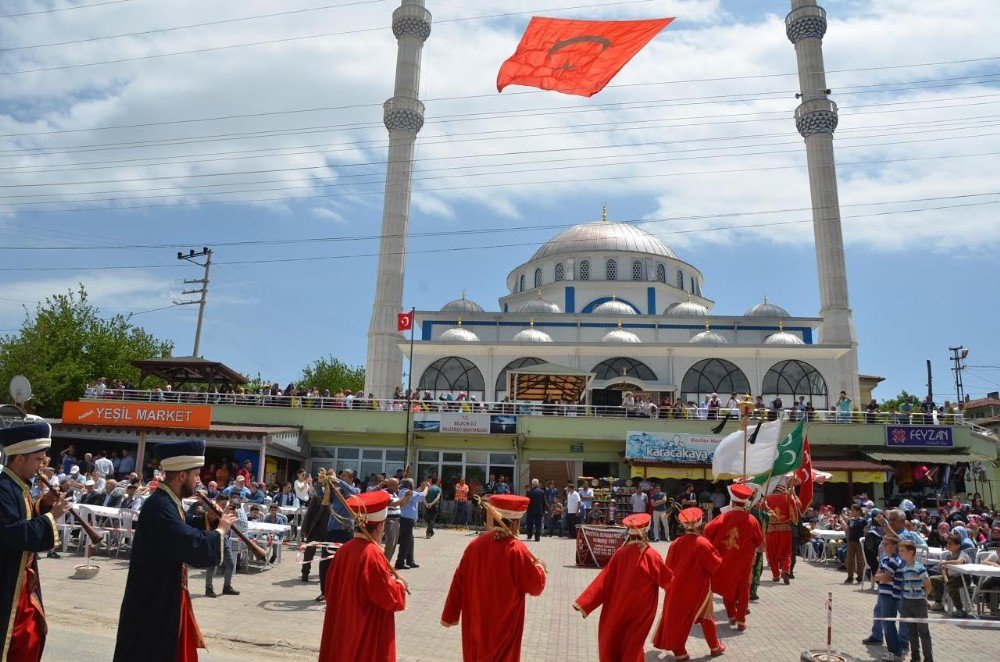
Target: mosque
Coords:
[(614, 300)]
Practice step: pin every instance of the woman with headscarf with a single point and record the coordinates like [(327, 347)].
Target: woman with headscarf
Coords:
[(967, 542)]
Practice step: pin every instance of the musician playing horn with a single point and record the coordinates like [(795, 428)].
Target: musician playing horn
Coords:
[(362, 595), (488, 589), (157, 623), (26, 532), (737, 537)]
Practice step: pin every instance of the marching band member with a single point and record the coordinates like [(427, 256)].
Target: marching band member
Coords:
[(737, 537), (157, 620), (362, 595), (488, 589), (627, 590), (693, 560), (785, 507), (25, 533)]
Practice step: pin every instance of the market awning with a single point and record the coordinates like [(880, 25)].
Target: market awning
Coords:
[(188, 370), (548, 381), (848, 464), (929, 458)]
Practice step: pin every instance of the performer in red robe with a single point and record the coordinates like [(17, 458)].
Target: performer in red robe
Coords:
[(488, 589), (628, 589), (362, 595), (737, 536), (692, 560), (785, 508)]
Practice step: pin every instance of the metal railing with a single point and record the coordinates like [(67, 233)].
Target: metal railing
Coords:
[(643, 411)]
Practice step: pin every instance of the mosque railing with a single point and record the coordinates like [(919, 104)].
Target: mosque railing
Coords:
[(685, 413)]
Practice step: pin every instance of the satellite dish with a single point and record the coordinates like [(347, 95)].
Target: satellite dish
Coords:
[(20, 389)]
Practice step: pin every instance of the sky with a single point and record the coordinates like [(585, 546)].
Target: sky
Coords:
[(132, 129)]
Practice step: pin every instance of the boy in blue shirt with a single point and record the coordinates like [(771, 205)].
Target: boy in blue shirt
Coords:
[(913, 601), (888, 599)]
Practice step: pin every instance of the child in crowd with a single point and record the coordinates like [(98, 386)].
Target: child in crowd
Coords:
[(913, 601), (888, 601), (855, 528)]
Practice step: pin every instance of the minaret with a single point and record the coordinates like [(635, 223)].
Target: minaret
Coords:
[(403, 115), (816, 120)]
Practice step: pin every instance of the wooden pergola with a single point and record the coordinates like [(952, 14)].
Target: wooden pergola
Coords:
[(188, 370), (548, 382)]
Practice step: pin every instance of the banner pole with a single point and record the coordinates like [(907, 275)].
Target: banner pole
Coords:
[(409, 398)]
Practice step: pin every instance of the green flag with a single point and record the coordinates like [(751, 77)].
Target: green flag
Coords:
[(789, 457)]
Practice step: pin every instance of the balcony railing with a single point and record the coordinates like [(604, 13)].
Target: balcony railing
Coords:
[(530, 408)]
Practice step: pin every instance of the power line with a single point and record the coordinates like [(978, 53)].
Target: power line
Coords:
[(59, 9), (491, 230), (460, 248)]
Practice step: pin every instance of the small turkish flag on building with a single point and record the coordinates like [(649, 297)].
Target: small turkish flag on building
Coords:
[(404, 321), (575, 57)]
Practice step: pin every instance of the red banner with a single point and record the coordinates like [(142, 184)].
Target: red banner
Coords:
[(596, 544), (575, 57)]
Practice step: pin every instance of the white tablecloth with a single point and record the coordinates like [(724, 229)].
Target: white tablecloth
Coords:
[(829, 535), (264, 527), (99, 511), (974, 570)]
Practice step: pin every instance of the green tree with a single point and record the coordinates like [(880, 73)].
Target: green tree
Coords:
[(334, 374), (66, 344), (892, 404)]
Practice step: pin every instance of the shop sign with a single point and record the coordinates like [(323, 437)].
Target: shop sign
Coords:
[(673, 447), (919, 436), (576, 448), (138, 414), (595, 545), (460, 422)]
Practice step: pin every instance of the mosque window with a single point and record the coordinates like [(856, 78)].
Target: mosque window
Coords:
[(584, 269), (692, 284), (610, 270), (452, 374), (636, 270), (525, 362), (661, 273), (538, 278), (680, 279), (790, 380), (713, 376), (521, 283), (560, 274), (624, 367)]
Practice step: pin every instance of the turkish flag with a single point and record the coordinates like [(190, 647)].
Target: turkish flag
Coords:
[(404, 321), (575, 57)]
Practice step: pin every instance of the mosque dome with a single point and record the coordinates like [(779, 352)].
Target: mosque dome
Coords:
[(687, 309), (767, 309), (620, 335), (531, 334), (782, 337), (604, 236), (539, 305), (458, 334), (708, 337), (614, 308), (462, 305)]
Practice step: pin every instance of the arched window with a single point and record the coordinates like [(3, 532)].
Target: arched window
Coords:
[(713, 376), (560, 274), (692, 284), (636, 270), (680, 279), (623, 367), (538, 278), (610, 270), (584, 269), (513, 365), (661, 273), (789, 380), (521, 283), (451, 375)]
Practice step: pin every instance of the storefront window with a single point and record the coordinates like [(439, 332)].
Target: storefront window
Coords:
[(475, 466), (362, 461)]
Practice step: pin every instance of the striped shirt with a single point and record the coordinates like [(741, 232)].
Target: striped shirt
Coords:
[(913, 577), (891, 564)]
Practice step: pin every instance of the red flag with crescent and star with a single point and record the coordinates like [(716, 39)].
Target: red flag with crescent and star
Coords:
[(404, 321), (575, 57)]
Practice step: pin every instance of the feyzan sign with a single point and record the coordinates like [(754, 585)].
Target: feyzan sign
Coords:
[(919, 436)]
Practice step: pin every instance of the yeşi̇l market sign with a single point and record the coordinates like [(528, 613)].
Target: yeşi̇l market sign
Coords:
[(674, 447)]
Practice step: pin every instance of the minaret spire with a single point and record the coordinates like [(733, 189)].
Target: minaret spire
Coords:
[(816, 120), (403, 116)]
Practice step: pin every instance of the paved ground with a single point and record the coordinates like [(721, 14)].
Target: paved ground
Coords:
[(276, 616)]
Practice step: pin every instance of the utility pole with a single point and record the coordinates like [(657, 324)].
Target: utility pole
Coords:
[(958, 354), (202, 291), (930, 381)]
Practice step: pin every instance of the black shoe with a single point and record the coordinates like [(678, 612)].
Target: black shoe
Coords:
[(791, 575), (229, 590), (54, 555), (869, 641), (849, 580), (209, 593), (272, 559), (401, 566), (754, 598), (305, 579), (320, 598), (413, 565)]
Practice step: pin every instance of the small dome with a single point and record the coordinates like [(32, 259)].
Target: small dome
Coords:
[(620, 335), (766, 309), (458, 334), (708, 337), (462, 305), (687, 309), (539, 305), (613, 308), (531, 334), (782, 337)]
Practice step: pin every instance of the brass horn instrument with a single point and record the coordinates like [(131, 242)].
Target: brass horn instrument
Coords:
[(255, 549)]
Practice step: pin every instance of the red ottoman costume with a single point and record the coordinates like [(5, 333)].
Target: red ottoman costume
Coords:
[(785, 508), (736, 535)]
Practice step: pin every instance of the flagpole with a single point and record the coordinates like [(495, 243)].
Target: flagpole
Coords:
[(409, 397)]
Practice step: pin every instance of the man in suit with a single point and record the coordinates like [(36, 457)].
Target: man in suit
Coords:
[(536, 509), (111, 497)]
